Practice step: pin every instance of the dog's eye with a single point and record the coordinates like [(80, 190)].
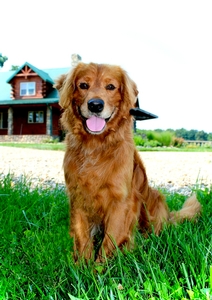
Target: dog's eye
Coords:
[(84, 86), (110, 87)]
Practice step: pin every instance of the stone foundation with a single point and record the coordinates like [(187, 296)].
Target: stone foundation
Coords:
[(26, 138)]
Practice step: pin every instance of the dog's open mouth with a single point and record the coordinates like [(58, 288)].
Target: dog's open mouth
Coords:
[(95, 124)]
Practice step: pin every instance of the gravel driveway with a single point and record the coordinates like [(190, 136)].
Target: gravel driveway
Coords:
[(173, 170)]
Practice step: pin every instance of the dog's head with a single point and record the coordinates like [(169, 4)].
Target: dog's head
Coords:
[(96, 96)]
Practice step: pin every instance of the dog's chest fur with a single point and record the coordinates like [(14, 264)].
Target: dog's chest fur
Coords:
[(98, 177)]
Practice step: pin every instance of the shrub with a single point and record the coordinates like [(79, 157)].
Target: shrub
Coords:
[(151, 135), (138, 140), (208, 146), (178, 142), (164, 138), (152, 143)]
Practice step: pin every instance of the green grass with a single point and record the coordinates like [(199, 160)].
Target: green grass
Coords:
[(174, 149), (36, 262), (61, 147), (41, 146)]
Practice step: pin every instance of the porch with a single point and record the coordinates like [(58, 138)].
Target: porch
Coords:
[(30, 120)]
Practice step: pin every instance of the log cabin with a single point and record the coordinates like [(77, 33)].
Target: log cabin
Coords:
[(29, 109)]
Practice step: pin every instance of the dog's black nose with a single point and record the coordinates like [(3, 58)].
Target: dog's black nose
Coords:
[(96, 105)]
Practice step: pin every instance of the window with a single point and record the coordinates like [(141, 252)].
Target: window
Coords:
[(3, 120), (27, 88), (35, 117)]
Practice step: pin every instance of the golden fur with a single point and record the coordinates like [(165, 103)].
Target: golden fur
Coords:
[(105, 177)]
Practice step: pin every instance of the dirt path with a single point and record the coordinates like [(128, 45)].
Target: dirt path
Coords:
[(168, 169)]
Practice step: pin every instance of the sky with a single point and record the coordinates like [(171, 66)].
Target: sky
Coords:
[(164, 45)]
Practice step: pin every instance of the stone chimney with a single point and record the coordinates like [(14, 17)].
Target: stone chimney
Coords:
[(76, 58)]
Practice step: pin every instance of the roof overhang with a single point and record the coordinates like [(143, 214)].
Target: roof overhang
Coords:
[(29, 101), (141, 115)]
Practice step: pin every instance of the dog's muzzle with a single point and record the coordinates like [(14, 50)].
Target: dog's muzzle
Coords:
[(96, 105), (95, 124)]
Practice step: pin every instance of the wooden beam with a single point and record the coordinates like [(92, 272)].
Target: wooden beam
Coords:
[(26, 74)]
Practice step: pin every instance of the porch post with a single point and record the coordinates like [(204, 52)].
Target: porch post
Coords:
[(49, 120), (10, 121)]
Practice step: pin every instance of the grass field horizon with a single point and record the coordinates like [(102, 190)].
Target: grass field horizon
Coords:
[(61, 146), (36, 261)]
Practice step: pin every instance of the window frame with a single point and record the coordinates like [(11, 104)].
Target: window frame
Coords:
[(27, 83), (33, 118)]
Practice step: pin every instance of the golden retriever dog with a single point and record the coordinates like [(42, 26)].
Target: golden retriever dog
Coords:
[(105, 177)]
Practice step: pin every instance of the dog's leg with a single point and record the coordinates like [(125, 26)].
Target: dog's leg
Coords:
[(118, 228), (154, 209), (80, 231)]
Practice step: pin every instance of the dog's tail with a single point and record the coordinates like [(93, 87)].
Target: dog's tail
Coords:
[(191, 209)]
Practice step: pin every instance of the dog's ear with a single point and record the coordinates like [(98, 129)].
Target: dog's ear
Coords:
[(129, 90), (135, 92), (59, 82), (65, 84)]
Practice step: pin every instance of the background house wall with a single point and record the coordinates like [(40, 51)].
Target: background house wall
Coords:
[(20, 121), (15, 87)]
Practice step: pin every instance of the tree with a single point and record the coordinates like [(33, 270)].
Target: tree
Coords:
[(2, 60), (170, 130), (201, 136), (210, 136), (182, 133), (192, 134), (158, 130), (14, 68)]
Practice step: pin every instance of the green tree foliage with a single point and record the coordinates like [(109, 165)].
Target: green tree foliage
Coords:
[(201, 136), (170, 130), (2, 60), (192, 134), (182, 133), (158, 130), (210, 136), (14, 68)]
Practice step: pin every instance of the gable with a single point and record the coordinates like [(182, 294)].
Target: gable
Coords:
[(29, 82), (27, 70), (10, 81)]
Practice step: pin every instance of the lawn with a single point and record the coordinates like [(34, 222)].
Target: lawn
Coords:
[(61, 147), (40, 146), (36, 262)]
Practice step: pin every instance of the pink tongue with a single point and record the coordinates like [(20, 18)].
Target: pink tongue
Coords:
[(95, 124)]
